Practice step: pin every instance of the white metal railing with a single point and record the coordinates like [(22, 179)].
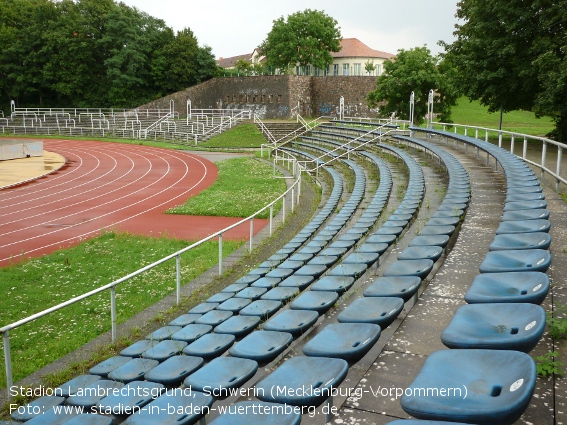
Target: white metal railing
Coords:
[(293, 192), (264, 130), (144, 132), (360, 142), (524, 140)]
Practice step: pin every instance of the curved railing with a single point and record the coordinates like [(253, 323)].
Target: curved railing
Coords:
[(294, 191), (524, 140)]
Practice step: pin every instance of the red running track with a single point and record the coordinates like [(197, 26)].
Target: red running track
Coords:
[(107, 185)]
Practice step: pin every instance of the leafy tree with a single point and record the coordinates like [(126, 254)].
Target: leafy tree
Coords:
[(304, 38), (243, 67), (510, 54), (418, 71), (369, 67), (93, 53)]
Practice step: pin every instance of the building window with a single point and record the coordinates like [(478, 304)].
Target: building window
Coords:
[(378, 69), (335, 69), (345, 68), (357, 69), (327, 71), (316, 72), (297, 70), (308, 70)]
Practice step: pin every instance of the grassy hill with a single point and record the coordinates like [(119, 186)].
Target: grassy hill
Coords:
[(473, 113)]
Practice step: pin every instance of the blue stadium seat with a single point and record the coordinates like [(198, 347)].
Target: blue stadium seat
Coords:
[(261, 346), (139, 347), (294, 322), (105, 367), (192, 332), (337, 284), (516, 261), (348, 341), (403, 287), (496, 326), (184, 319), (38, 406), (93, 393), (537, 240), (238, 325), (221, 374), (523, 226), (71, 387), (210, 345), (261, 308), (419, 268), (498, 386), (320, 374), (164, 350), (319, 301), (510, 287), (299, 282), (234, 305), (377, 310), (133, 370), (427, 252), (214, 317), (174, 370)]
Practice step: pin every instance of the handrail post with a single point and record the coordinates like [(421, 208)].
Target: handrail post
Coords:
[(283, 209), (113, 312), (8, 362), (525, 150), (178, 278), (558, 171), (271, 218), (543, 158), (220, 254), (499, 139), (251, 233), (292, 199)]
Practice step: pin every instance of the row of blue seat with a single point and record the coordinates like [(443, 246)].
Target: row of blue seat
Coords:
[(359, 325), (502, 315), (349, 339)]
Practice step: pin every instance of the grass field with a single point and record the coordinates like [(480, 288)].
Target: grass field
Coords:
[(242, 136), (473, 113), (243, 187), (37, 284)]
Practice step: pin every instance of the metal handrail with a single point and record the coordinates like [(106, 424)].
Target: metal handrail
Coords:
[(155, 124), (525, 138), (294, 190), (319, 163)]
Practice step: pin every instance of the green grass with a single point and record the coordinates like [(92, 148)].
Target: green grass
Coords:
[(241, 136), (244, 185), (37, 284), (473, 113)]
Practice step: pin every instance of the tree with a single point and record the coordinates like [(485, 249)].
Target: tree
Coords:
[(510, 54), (369, 67), (304, 38), (243, 67), (418, 71)]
